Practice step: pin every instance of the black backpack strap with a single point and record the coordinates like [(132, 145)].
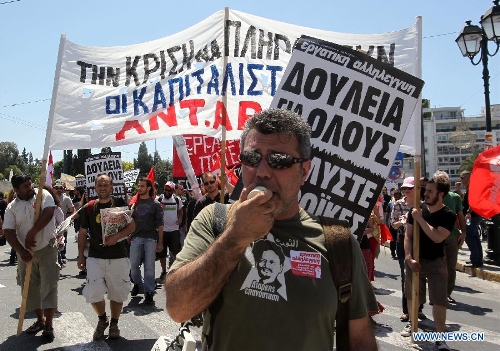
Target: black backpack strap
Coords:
[(338, 244)]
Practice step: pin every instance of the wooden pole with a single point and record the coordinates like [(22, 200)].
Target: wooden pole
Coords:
[(27, 276), (224, 116), (415, 296)]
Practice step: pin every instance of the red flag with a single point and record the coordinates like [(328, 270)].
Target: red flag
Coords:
[(151, 177), (484, 187), (232, 177), (50, 170)]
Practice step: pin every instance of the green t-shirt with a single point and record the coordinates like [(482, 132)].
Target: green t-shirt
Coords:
[(281, 295), (454, 202)]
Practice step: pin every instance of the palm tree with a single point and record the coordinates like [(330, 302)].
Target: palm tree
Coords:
[(468, 163)]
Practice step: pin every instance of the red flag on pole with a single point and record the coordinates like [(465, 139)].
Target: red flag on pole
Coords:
[(50, 170), (151, 177), (484, 187)]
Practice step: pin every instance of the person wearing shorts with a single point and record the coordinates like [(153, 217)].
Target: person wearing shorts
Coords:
[(34, 241), (436, 221), (107, 264)]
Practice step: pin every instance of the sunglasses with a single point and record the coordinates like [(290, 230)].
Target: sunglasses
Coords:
[(275, 160), (58, 187), (209, 182)]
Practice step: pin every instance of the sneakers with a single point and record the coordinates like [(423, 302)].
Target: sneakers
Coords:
[(101, 327), (135, 290), (148, 299), (114, 332), (161, 279), (441, 345), (421, 315), (406, 330), (404, 317)]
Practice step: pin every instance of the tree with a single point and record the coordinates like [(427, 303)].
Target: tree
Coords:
[(9, 155), (58, 169), (78, 164), (127, 166), (144, 160), (163, 172), (468, 163)]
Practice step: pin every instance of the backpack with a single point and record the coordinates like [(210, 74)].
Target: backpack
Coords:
[(338, 244), (174, 196)]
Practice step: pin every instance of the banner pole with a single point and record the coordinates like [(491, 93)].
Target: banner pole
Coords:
[(224, 116), (415, 292), (41, 184)]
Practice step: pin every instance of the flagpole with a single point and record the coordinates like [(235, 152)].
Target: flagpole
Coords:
[(41, 184), (416, 228), (224, 116)]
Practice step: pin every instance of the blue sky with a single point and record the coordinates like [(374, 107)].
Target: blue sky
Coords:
[(30, 31)]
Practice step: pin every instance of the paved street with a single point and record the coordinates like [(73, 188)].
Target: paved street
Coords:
[(477, 310)]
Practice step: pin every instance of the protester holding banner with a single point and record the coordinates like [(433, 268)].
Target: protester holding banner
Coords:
[(107, 264), (436, 221), (147, 239), (214, 267), (34, 241), (399, 216)]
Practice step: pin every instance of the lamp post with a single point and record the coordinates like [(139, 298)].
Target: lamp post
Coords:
[(472, 41)]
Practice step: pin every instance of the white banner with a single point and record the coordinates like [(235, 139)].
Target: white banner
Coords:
[(110, 96), (358, 109), (109, 163)]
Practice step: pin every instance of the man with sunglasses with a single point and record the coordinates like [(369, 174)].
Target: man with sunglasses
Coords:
[(212, 192), (219, 272)]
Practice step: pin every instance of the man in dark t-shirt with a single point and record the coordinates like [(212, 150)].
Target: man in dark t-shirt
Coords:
[(436, 222), (108, 266)]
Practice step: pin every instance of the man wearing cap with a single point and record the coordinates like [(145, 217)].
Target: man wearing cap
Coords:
[(66, 206), (172, 218)]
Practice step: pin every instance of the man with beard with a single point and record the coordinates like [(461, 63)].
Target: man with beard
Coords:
[(108, 266), (214, 270), (147, 239), (34, 241), (436, 221), (212, 192), (172, 218)]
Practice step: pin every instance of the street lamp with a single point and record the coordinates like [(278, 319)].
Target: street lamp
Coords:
[(474, 40)]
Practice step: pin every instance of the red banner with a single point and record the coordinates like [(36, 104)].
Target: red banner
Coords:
[(485, 183), (204, 154)]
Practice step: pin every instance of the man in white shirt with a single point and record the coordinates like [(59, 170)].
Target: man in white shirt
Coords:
[(172, 218), (34, 241)]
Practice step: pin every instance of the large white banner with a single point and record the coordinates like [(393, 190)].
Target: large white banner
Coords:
[(358, 109), (110, 96)]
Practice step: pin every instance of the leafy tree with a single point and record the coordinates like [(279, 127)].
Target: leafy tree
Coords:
[(58, 169), (78, 165), (2, 176), (9, 155), (163, 172), (15, 170), (127, 166), (144, 160), (468, 163)]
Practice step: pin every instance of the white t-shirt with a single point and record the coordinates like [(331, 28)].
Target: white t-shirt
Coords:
[(170, 209), (66, 203), (20, 216)]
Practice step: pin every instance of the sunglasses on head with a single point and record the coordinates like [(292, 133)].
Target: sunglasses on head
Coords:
[(275, 160), (209, 182)]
